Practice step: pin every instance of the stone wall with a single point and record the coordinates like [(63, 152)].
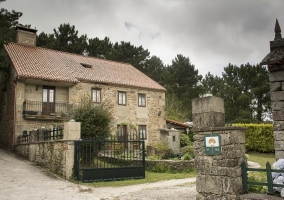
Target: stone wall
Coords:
[(57, 155), (276, 79)]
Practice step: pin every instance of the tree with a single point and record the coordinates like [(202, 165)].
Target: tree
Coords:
[(155, 69), (128, 53), (212, 85), (46, 40), (8, 22), (66, 39), (99, 48), (183, 81)]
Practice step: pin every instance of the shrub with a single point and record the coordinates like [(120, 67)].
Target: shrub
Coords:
[(187, 150), (186, 157), (184, 140), (95, 119), (259, 137)]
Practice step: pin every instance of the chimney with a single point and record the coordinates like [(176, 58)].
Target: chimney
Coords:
[(26, 35)]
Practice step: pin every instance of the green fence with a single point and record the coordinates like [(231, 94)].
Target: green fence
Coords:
[(268, 172)]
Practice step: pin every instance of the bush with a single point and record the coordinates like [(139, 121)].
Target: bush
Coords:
[(186, 157), (187, 150), (259, 137), (95, 119), (184, 140)]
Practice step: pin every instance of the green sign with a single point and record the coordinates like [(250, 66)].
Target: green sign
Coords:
[(212, 144)]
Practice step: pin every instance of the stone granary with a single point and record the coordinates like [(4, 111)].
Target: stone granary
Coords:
[(275, 62), (44, 84)]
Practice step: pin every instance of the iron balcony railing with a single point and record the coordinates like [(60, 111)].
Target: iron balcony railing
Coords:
[(42, 108)]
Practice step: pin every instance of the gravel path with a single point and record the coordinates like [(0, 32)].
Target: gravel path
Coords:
[(22, 180)]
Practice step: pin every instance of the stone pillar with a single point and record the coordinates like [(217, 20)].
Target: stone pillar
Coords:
[(72, 131), (219, 176), (275, 62)]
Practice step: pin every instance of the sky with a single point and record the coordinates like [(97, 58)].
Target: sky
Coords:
[(211, 33)]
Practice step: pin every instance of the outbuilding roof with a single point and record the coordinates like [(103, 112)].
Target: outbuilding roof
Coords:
[(51, 65)]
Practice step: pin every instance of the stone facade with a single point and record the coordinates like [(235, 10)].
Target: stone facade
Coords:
[(275, 62), (152, 115), (7, 94), (219, 176)]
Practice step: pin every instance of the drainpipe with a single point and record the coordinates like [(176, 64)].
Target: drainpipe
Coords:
[(14, 120)]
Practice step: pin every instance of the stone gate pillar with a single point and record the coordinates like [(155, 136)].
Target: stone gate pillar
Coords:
[(217, 163), (275, 62)]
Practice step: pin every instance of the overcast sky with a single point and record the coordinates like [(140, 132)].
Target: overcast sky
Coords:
[(212, 33)]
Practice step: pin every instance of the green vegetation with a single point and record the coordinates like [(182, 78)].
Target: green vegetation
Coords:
[(151, 177), (184, 140), (262, 159), (259, 137), (95, 119)]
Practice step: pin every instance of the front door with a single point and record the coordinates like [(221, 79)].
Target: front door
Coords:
[(48, 100)]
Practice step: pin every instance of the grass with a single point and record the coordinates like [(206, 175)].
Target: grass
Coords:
[(261, 158), (151, 177)]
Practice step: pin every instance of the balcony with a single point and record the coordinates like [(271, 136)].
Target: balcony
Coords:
[(46, 110)]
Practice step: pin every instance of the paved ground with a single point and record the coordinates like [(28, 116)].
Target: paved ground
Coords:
[(22, 180)]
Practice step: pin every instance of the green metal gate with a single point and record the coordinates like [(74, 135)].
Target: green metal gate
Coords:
[(111, 159)]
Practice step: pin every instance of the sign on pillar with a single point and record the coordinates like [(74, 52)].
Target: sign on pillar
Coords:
[(212, 144)]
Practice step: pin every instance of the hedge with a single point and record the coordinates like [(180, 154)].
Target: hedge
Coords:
[(259, 137)]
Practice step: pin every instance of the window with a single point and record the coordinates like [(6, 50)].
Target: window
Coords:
[(121, 98), (142, 132), (142, 100), (96, 95)]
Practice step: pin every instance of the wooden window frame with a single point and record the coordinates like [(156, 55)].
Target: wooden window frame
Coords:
[(100, 92), (143, 128), (122, 103), (140, 103)]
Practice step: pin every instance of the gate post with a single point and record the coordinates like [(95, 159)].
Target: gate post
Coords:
[(275, 62), (219, 151)]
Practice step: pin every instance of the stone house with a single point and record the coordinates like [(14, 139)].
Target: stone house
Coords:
[(43, 84)]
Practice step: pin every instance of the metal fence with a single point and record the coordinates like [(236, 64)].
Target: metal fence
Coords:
[(41, 134), (109, 159), (268, 172)]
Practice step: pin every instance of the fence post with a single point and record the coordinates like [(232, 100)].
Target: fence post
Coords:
[(269, 178), (244, 177)]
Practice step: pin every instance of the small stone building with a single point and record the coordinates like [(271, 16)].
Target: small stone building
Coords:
[(44, 84)]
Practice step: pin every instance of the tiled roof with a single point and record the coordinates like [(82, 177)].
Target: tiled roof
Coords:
[(177, 123), (46, 64)]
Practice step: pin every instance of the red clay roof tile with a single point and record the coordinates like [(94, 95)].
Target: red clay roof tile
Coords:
[(46, 64)]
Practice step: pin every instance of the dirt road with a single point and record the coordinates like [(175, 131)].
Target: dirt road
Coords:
[(22, 180)]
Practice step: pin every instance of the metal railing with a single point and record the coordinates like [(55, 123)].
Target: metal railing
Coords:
[(268, 172), (36, 107), (42, 134)]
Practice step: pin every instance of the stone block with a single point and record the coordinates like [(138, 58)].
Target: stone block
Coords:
[(278, 105), (278, 145), (277, 96), (278, 115), (279, 154), (276, 76), (208, 119), (275, 86), (279, 135), (278, 125), (208, 104), (209, 184), (72, 131)]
